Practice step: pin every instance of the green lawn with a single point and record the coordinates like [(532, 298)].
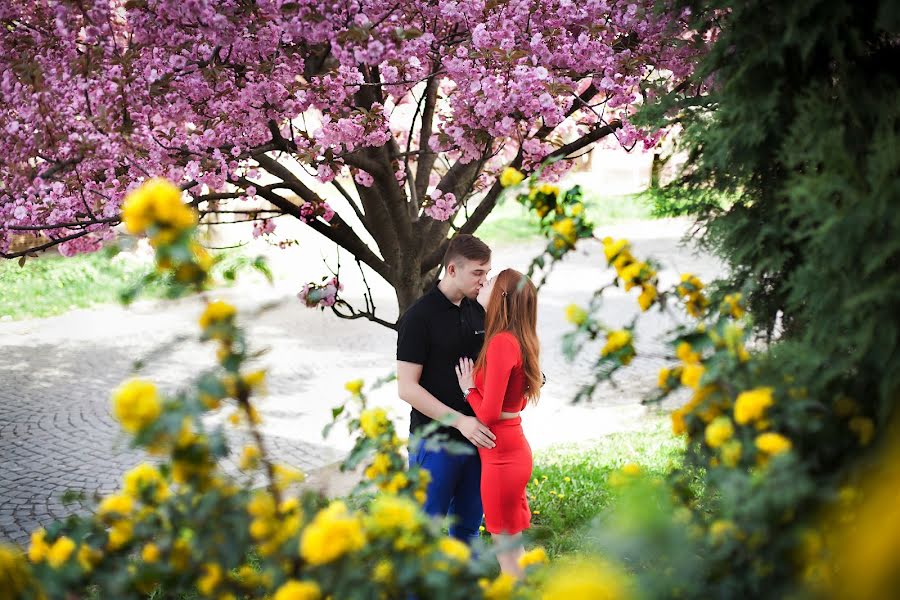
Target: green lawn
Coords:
[(51, 285), (570, 485), (510, 222)]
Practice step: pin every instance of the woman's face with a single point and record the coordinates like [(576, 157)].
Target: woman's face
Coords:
[(484, 294)]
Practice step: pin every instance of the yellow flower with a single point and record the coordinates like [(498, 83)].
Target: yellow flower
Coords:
[(679, 425), (392, 513), (216, 312), (731, 453), (373, 422), (772, 443), (615, 341), (88, 557), (249, 457), (500, 588), (332, 533), (454, 549), (648, 296), (663, 380), (119, 534), (354, 387), (720, 529), (585, 579), (566, 230), (575, 314), (612, 248), (864, 429), (549, 189), (632, 469), (146, 476), (630, 275), (37, 550), (751, 405), (692, 374), (298, 590), (60, 551), (381, 464), (156, 202), (731, 304), (719, 431), (118, 504), (383, 572), (397, 483), (535, 556), (262, 505), (511, 176), (286, 475), (210, 579), (136, 404), (577, 209), (686, 353), (150, 553)]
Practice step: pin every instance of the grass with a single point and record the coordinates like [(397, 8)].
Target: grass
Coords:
[(52, 285), (570, 486), (510, 222)]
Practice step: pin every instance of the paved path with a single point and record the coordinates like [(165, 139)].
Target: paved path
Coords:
[(57, 432)]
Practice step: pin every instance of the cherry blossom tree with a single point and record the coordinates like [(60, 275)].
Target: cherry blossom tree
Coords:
[(408, 109)]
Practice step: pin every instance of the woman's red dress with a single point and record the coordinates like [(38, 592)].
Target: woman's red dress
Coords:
[(505, 468)]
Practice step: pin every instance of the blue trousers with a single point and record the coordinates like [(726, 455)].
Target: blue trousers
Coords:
[(455, 489)]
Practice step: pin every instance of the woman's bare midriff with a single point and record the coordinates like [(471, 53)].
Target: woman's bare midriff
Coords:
[(508, 415)]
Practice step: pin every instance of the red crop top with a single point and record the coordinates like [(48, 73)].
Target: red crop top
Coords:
[(502, 388)]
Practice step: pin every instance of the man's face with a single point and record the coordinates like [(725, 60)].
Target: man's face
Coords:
[(469, 276)]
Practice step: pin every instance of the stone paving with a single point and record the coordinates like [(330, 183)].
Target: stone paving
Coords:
[(57, 432)]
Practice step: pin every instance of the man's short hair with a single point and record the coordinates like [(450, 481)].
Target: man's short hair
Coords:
[(468, 247)]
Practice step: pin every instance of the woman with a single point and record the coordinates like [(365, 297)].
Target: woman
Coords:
[(497, 386)]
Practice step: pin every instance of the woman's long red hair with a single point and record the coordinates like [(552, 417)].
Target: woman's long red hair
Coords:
[(512, 307)]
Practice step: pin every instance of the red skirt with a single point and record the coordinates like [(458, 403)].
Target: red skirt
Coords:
[(505, 472)]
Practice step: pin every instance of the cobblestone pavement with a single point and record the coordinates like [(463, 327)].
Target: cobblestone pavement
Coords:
[(57, 432)]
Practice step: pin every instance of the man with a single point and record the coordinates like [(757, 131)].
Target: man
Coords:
[(434, 333)]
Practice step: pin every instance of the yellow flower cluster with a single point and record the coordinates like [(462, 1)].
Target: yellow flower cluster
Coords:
[(511, 176), (566, 231), (595, 579), (117, 511), (298, 590), (631, 271), (535, 556), (751, 405), (732, 305), (576, 315), (771, 443), (691, 289), (864, 428), (718, 432), (619, 341), (157, 203), (216, 313), (373, 422), (272, 525), (500, 588), (455, 550), (146, 477), (136, 404), (332, 533), (16, 579), (354, 387), (390, 514)]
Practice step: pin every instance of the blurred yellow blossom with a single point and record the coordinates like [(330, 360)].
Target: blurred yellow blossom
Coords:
[(332, 533), (136, 404), (751, 405)]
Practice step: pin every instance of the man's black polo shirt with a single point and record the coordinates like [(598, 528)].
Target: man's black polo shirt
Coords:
[(435, 333)]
